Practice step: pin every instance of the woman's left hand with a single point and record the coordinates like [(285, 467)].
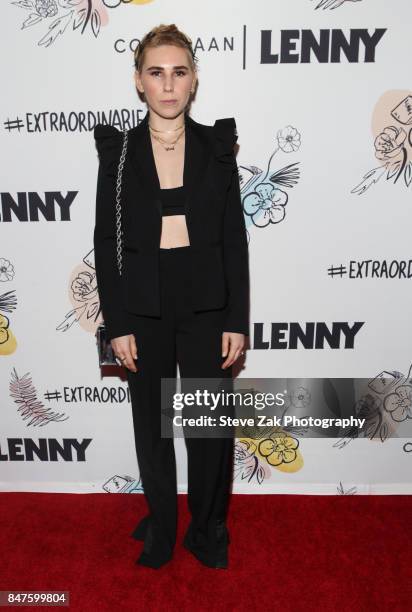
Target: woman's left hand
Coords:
[(233, 344)]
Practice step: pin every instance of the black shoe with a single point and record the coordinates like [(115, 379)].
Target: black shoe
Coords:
[(144, 532), (219, 562), (150, 561), (139, 532)]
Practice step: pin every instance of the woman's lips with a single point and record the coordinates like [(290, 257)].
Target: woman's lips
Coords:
[(168, 101)]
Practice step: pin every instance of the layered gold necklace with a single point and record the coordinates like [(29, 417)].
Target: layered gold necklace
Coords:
[(168, 146)]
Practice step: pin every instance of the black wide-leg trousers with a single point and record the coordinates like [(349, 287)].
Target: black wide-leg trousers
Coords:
[(194, 341)]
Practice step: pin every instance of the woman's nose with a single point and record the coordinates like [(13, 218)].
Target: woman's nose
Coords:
[(168, 84)]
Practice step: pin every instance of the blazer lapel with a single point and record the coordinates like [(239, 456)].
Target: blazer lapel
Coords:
[(141, 158), (197, 155)]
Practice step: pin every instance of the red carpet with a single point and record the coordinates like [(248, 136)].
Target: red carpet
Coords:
[(292, 552)]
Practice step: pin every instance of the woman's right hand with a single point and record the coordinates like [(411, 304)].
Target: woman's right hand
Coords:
[(124, 347)]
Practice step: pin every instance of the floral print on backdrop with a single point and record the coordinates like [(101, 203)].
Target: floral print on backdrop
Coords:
[(8, 303), (392, 129), (60, 16), (264, 192)]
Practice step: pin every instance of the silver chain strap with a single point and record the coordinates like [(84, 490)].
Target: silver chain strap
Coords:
[(118, 203)]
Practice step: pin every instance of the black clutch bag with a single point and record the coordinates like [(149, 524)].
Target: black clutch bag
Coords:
[(104, 347)]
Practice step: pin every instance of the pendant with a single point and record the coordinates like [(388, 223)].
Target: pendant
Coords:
[(170, 148)]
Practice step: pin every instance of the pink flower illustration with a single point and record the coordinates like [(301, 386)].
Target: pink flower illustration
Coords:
[(389, 143), (399, 403)]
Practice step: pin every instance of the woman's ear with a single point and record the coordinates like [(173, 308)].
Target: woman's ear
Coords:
[(139, 86), (138, 81)]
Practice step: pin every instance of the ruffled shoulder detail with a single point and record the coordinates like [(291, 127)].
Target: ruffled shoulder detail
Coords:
[(108, 142), (104, 130), (225, 139)]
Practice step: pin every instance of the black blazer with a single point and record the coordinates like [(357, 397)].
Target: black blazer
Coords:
[(214, 217)]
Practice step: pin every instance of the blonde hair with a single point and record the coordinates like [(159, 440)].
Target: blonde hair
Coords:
[(164, 35)]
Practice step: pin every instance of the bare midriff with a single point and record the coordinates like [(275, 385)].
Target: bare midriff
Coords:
[(174, 232), (170, 173)]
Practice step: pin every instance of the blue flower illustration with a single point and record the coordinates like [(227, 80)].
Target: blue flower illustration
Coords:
[(266, 204)]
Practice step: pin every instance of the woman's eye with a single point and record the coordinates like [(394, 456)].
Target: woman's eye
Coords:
[(178, 72)]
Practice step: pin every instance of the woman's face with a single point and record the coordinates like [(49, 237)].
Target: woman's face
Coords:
[(166, 78)]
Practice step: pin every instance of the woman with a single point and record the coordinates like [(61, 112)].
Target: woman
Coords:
[(180, 294)]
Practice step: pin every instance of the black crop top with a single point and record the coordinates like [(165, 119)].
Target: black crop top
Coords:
[(173, 201)]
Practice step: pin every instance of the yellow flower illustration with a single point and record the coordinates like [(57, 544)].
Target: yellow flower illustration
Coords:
[(279, 449), (7, 340)]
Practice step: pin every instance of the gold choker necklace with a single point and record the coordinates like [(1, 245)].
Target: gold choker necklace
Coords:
[(168, 146), (179, 127)]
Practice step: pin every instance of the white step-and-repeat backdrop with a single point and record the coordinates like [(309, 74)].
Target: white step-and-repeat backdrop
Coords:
[(323, 104)]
